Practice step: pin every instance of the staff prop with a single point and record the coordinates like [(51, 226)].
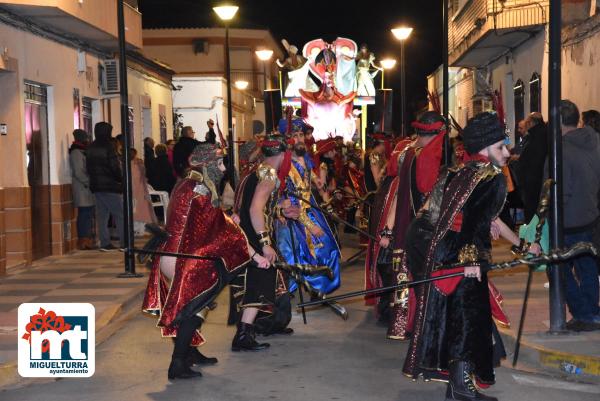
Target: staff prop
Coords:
[(332, 215), (557, 255)]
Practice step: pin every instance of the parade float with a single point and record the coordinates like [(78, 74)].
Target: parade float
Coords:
[(332, 84)]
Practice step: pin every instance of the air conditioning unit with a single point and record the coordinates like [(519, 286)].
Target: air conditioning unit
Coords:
[(109, 73)]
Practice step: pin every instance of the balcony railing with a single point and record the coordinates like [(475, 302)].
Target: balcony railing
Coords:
[(476, 18)]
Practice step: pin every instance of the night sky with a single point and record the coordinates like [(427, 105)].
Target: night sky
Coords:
[(302, 20)]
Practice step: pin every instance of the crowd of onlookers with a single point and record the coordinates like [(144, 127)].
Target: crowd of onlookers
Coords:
[(97, 181), (581, 198)]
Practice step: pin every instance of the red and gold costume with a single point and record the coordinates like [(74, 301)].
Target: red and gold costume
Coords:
[(195, 227), (410, 175)]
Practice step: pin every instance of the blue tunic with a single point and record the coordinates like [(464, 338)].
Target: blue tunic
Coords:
[(322, 251)]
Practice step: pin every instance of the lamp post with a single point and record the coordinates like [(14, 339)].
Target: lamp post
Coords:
[(226, 14), (264, 56), (402, 33), (387, 64), (556, 294), (127, 230), (446, 83)]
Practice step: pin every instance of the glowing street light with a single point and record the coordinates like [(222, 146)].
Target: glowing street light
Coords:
[(264, 55), (241, 85), (226, 12), (402, 33), (388, 63)]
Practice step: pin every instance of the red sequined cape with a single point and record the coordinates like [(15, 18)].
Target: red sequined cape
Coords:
[(195, 227)]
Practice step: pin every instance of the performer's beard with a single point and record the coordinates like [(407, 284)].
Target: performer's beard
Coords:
[(300, 149)]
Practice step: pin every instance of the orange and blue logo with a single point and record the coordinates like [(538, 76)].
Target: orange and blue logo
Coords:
[(56, 340)]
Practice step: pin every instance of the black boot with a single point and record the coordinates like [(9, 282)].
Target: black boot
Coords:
[(461, 386), (245, 339), (384, 309), (196, 358), (179, 368)]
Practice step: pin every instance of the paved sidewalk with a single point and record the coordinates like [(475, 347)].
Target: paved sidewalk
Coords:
[(82, 276), (539, 349)]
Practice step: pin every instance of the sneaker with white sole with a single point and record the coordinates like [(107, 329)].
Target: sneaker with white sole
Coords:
[(108, 248)]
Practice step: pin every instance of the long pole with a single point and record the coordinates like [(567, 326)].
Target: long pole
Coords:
[(332, 215), (445, 83), (294, 252), (231, 147), (557, 303), (127, 193), (553, 256), (264, 75), (402, 91)]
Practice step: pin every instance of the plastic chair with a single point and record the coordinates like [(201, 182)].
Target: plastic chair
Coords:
[(163, 200)]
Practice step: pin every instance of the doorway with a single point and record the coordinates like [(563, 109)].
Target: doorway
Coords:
[(38, 168)]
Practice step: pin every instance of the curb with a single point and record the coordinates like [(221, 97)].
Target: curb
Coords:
[(551, 360), (9, 371)]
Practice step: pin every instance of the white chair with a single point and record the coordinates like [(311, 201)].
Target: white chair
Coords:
[(163, 200)]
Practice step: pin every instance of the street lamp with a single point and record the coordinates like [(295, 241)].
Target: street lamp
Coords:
[(387, 64), (226, 14), (241, 85), (402, 33), (264, 56)]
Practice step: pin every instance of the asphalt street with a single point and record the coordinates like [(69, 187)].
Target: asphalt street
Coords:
[(327, 359)]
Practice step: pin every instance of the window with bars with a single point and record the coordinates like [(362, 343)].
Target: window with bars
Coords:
[(535, 93), (86, 116), (163, 128), (519, 91), (130, 121), (36, 93)]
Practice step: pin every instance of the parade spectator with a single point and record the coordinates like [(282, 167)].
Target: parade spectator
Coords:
[(149, 156), (183, 149), (83, 199), (591, 118), (143, 212), (210, 136), (106, 183), (162, 178), (170, 146), (581, 183), (530, 167), (374, 163), (520, 137)]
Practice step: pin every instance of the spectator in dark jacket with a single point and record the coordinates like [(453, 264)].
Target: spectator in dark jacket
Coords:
[(149, 156), (183, 149), (210, 136), (530, 167), (106, 182), (591, 118), (83, 199), (581, 184), (162, 178)]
